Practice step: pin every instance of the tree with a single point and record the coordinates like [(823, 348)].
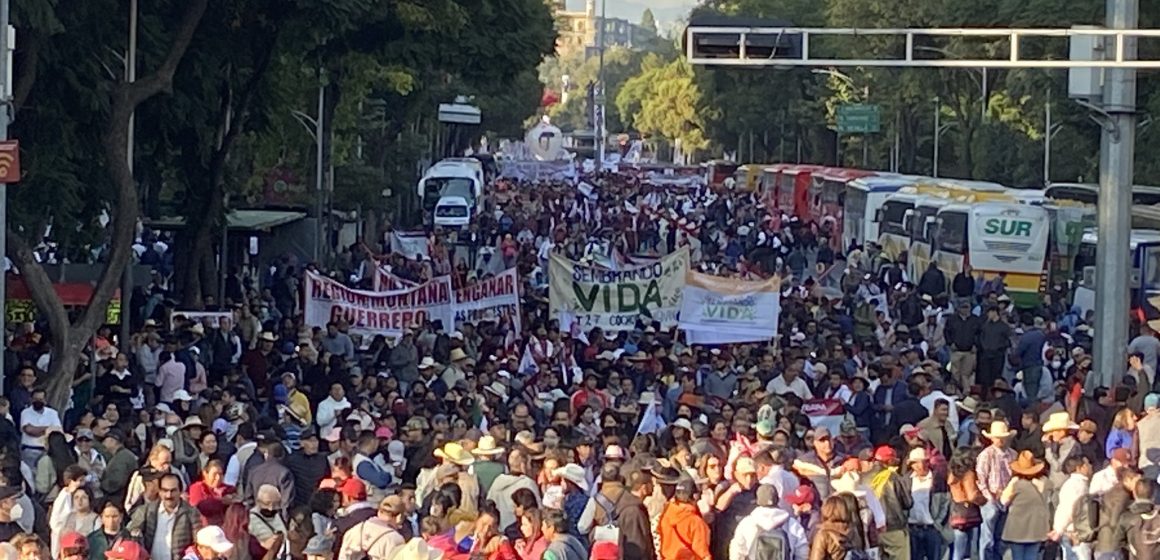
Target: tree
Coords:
[(69, 338), (664, 102), (648, 21)]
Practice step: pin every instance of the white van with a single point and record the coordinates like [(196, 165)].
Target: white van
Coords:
[(454, 185)]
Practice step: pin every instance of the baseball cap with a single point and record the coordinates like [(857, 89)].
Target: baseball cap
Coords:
[(308, 433), (74, 540), (1152, 400), (1088, 426), (908, 430), (745, 465), (127, 550), (765, 428), (614, 452), (803, 495), (214, 538), (353, 489), (821, 432), (885, 454), (1122, 455), (392, 504)]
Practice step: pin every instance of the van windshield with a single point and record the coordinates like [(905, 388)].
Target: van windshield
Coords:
[(451, 212)]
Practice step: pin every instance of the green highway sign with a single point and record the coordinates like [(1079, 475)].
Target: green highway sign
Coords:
[(858, 119)]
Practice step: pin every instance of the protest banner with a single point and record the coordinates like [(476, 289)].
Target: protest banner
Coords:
[(373, 313), (718, 310), (490, 299), (615, 300), (387, 281), (199, 316), (410, 244), (827, 413)]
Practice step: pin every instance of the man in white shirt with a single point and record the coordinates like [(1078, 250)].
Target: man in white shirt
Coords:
[(1073, 494), (330, 407), (783, 481), (926, 541), (790, 381), (1106, 479), (36, 422)]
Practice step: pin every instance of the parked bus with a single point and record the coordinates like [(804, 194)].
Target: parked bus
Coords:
[(1087, 193), (1144, 251), (864, 197), (827, 200), (993, 237)]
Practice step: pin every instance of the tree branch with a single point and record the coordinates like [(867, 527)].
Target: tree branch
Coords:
[(28, 61), (125, 99), (38, 282)]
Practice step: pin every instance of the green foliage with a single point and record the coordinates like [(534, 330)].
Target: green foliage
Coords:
[(664, 101)]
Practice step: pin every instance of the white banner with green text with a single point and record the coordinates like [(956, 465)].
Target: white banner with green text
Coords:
[(614, 300), (718, 310)]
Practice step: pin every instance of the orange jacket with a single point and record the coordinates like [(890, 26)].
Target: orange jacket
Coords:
[(683, 534)]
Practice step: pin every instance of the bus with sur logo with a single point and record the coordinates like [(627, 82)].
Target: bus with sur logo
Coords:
[(993, 238)]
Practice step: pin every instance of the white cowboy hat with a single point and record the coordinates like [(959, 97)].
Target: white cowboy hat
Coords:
[(487, 447), (498, 389), (998, 430), (427, 363), (917, 454), (458, 354), (573, 473), (182, 395), (1059, 421), (268, 337), (454, 453)]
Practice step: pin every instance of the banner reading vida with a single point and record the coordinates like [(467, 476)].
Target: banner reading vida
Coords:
[(373, 313), (614, 300), (725, 311)]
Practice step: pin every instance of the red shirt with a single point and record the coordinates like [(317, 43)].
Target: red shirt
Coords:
[(200, 491)]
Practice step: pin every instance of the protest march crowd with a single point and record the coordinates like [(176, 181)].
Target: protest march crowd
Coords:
[(617, 369)]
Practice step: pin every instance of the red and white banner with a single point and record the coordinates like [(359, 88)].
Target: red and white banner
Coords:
[(492, 299), (373, 313), (825, 412)]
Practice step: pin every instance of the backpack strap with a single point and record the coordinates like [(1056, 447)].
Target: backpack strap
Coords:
[(608, 506)]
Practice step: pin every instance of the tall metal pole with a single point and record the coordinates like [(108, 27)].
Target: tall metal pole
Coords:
[(127, 274), (1117, 156), (937, 133), (1047, 140), (223, 267), (5, 108), (986, 98), (600, 98), (318, 155)]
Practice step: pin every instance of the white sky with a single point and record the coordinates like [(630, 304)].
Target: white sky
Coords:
[(666, 11)]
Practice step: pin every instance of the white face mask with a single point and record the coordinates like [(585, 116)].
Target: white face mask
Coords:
[(1056, 363), (170, 430), (17, 512)]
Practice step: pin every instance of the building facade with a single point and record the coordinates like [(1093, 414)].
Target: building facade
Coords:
[(579, 31)]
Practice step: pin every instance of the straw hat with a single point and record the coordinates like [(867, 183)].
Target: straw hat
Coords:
[(1059, 421), (1027, 465), (415, 549), (458, 354), (487, 447), (452, 452), (573, 473), (969, 404), (268, 337), (998, 430)]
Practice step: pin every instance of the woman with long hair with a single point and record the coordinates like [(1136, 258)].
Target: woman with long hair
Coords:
[(50, 467), (82, 519), (832, 539), (533, 543), (965, 516), (1122, 434)]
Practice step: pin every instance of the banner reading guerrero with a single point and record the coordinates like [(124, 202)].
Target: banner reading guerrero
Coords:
[(614, 300), (372, 313), (718, 310)]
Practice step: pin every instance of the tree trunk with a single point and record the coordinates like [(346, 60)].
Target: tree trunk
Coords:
[(69, 340)]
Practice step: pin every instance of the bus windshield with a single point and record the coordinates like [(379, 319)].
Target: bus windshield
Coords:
[(952, 233), (918, 223), (892, 213)]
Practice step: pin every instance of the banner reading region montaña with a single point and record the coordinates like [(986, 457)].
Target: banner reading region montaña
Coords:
[(372, 313), (726, 311), (490, 299), (615, 299)]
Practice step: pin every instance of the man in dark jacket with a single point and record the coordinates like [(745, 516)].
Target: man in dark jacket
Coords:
[(636, 539), (1028, 355), (308, 466), (963, 285), (994, 340), (1031, 438), (933, 282), (962, 336), (1112, 535), (272, 472)]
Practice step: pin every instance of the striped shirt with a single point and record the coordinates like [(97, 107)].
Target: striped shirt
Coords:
[(994, 470)]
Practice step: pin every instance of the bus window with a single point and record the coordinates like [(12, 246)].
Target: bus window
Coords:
[(892, 213)]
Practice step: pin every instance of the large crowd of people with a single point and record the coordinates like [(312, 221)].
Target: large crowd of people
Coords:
[(964, 431)]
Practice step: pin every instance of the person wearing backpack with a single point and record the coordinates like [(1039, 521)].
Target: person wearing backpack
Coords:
[(769, 533), (1074, 506)]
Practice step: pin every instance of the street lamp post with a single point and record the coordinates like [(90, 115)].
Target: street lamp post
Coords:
[(939, 129), (313, 126)]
